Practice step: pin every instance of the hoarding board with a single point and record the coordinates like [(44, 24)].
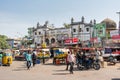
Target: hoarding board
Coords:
[(100, 30)]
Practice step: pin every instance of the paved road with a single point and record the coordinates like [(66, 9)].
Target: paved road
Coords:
[(18, 71)]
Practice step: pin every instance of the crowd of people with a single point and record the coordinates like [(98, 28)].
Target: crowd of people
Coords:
[(84, 58), (30, 57), (73, 57), (79, 56)]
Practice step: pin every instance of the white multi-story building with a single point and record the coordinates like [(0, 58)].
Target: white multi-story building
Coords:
[(61, 34), (81, 30), (39, 34), (49, 35)]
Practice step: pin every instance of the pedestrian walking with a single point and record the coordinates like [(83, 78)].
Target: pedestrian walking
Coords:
[(34, 57), (29, 59), (67, 62), (71, 59)]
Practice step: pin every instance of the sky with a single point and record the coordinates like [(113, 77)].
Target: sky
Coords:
[(16, 16)]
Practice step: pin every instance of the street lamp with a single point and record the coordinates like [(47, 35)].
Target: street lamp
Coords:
[(119, 21)]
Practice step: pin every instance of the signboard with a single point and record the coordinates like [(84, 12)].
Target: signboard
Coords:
[(71, 41), (100, 30), (114, 32)]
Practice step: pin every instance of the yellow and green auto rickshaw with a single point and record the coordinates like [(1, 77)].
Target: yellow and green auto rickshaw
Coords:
[(7, 59)]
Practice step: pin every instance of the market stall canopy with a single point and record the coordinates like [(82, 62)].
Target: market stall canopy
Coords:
[(45, 50)]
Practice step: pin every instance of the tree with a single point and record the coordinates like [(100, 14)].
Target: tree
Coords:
[(66, 25), (3, 42)]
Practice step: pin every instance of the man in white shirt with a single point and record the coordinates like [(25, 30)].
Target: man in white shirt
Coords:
[(71, 60)]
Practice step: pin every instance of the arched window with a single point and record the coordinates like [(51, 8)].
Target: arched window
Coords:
[(47, 41), (52, 40), (39, 33)]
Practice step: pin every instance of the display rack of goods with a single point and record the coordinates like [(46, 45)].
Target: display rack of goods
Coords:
[(63, 55), (44, 53), (60, 53)]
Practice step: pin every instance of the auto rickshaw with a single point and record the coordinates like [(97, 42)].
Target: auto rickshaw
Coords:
[(7, 59)]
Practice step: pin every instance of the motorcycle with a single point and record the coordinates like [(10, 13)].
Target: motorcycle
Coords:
[(88, 64)]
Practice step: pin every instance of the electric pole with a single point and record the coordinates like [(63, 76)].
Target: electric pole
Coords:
[(119, 21)]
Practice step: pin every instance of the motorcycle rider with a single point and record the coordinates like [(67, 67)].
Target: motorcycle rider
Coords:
[(79, 57)]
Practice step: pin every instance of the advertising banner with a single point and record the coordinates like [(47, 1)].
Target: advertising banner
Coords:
[(100, 30), (71, 41), (114, 32)]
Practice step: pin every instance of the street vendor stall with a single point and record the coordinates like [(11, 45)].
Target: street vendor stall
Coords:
[(60, 55), (20, 55), (43, 54)]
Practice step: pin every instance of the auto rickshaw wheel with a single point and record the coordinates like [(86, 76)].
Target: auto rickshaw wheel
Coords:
[(8, 64)]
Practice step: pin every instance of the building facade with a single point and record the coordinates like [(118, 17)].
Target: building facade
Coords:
[(81, 30), (14, 43), (51, 35)]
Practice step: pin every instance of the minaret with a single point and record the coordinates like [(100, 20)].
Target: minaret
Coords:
[(38, 24), (72, 20), (82, 19), (90, 21), (94, 21)]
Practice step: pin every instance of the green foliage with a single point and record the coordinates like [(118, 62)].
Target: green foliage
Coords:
[(3, 42), (66, 25)]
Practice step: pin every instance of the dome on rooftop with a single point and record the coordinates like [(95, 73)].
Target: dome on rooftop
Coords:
[(110, 24)]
